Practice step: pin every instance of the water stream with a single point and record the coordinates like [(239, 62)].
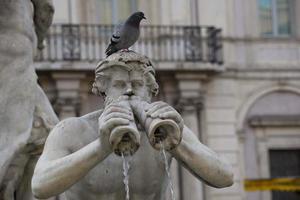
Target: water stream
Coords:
[(126, 167), (167, 167)]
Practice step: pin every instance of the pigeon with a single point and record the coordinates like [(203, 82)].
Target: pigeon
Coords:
[(125, 34)]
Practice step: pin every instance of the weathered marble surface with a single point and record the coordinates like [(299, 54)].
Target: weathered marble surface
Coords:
[(78, 158), (26, 115)]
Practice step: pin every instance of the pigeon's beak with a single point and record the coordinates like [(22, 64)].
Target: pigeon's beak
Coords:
[(144, 17)]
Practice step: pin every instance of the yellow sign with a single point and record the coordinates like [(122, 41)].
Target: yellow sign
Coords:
[(279, 184)]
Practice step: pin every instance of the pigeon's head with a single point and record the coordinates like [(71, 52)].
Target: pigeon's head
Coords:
[(136, 18), (139, 15)]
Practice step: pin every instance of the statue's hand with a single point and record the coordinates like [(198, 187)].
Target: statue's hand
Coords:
[(163, 110), (115, 114), (43, 15)]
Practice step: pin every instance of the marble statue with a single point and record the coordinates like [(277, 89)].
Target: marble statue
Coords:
[(26, 116), (82, 157)]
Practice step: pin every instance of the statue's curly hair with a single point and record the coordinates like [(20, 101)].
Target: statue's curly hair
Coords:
[(129, 61)]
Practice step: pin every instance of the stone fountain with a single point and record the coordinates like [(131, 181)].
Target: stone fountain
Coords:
[(88, 157), (130, 142)]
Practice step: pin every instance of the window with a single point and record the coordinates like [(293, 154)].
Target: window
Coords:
[(284, 163), (275, 17), (114, 11)]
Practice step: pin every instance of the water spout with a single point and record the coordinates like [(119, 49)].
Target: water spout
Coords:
[(126, 167), (167, 168)]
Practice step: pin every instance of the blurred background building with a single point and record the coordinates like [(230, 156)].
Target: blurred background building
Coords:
[(232, 69)]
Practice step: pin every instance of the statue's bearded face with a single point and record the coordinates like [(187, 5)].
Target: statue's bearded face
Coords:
[(130, 83)]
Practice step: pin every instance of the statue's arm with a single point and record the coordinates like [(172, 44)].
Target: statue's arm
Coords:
[(202, 161), (58, 168), (196, 157), (43, 16)]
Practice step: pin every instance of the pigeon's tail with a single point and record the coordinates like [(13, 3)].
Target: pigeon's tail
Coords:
[(110, 49)]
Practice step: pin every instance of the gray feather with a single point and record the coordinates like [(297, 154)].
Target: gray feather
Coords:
[(117, 33)]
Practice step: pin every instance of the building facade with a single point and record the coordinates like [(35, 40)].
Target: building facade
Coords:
[(240, 93)]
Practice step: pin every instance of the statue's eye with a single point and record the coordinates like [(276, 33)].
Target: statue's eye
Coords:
[(136, 84), (119, 84)]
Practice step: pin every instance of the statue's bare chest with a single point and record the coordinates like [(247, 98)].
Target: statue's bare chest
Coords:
[(146, 172)]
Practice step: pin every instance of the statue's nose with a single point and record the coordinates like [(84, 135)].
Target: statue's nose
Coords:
[(129, 92)]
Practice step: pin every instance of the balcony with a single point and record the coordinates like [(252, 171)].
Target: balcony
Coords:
[(87, 42)]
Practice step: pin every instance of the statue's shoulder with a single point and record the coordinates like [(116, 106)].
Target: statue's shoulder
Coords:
[(78, 124), (92, 117), (69, 132)]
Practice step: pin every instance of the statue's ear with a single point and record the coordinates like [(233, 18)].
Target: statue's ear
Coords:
[(100, 84), (151, 82)]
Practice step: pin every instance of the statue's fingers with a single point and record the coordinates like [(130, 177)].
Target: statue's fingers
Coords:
[(117, 109), (118, 115), (156, 113), (155, 108), (118, 105), (148, 107), (171, 115), (111, 123)]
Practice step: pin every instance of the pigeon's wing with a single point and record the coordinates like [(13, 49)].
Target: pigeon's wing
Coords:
[(116, 36), (115, 39)]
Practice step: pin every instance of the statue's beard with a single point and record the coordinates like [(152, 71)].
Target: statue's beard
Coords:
[(138, 125), (108, 100)]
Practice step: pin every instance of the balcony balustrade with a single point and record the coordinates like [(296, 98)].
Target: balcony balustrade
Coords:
[(87, 42)]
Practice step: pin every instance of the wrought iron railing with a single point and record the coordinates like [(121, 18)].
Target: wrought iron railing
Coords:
[(73, 42)]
